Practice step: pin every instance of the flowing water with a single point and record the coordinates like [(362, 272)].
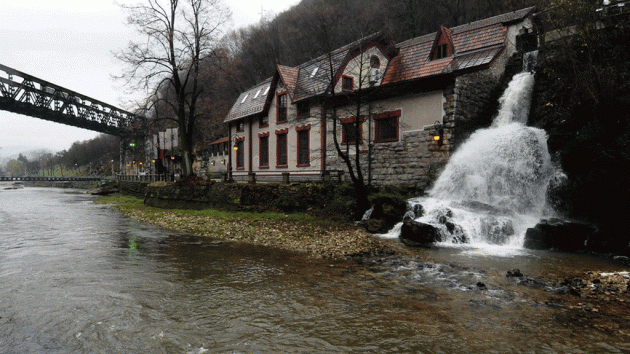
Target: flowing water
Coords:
[(76, 277), (494, 186)]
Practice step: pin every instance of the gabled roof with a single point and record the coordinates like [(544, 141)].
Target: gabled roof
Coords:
[(474, 46), (315, 76)]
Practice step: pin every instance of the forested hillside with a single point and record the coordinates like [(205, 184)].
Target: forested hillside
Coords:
[(313, 27)]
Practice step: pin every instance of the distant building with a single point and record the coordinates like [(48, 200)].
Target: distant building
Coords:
[(283, 125)]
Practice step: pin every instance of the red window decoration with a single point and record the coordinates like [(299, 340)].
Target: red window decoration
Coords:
[(263, 150), (303, 146), (281, 108), (386, 126), (350, 133), (281, 148)]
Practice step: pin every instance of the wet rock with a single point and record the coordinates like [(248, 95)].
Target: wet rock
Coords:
[(418, 234), (373, 225), (388, 211), (514, 273), (417, 210), (457, 234), (481, 286), (559, 234), (498, 230)]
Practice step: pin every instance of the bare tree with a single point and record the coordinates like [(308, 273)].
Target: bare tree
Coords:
[(178, 35), (352, 101)]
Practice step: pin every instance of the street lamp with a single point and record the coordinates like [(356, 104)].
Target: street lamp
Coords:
[(438, 133), (234, 139)]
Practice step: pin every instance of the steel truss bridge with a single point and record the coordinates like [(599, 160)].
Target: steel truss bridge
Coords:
[(25, 94), (48, 179)]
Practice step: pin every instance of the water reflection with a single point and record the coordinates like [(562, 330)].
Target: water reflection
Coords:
[(79, 278)]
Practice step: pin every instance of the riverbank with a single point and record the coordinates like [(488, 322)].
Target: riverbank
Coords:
[(597, 299), (294, 232)]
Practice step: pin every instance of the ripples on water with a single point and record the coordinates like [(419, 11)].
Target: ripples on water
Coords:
[(76, 277)]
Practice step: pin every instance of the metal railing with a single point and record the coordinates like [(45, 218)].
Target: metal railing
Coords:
[(147, 178), (286, 176), (48, 179)]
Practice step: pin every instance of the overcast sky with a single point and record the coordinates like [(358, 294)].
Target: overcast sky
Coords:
[(69, 43)]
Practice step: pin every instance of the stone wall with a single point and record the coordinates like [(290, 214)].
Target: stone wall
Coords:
[(137, 189)]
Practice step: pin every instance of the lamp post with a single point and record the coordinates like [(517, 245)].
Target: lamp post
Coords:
[(438, 133), (234, 139)]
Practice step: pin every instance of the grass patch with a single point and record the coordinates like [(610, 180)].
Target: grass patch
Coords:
[(297, 232)]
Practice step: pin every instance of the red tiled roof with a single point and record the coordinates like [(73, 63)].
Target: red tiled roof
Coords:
[(220, 141), (289, 77)]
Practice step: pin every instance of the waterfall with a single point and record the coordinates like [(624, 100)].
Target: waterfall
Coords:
[(494, 186)]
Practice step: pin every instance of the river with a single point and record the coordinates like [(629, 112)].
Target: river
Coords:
[(76, 277)]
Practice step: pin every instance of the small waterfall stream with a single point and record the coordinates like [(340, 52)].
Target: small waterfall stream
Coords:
[(494, 186)]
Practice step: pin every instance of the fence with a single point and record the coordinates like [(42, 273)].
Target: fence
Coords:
[(146, 177), (285, 176)]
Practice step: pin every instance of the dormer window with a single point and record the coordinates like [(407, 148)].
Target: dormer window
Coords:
[(443, 44), (375, 62), (441, 51)]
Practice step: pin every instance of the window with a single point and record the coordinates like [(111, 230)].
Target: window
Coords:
[(263, 149), (441, 51), (240, 126), (386, 126), (347, 83), (281, 148), (349, 131), (375, 62), (263, 121), (303, 146), (266, 90), (281, 108), (244, 98), (240, 155), (314, 72), (303, 109), (257, 93)]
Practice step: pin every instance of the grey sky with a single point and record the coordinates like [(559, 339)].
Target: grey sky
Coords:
[(69, 43)]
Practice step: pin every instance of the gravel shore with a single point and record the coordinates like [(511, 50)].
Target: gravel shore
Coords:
[(336, 241)]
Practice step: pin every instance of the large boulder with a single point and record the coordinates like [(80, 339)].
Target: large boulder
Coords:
[(562, 235), (417, 234), (386, 213)]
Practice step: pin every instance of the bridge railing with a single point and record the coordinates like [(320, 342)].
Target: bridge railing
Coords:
[(145, 178), (49, 179)]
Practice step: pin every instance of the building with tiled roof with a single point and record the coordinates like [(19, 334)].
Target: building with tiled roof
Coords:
[(285, 124)]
